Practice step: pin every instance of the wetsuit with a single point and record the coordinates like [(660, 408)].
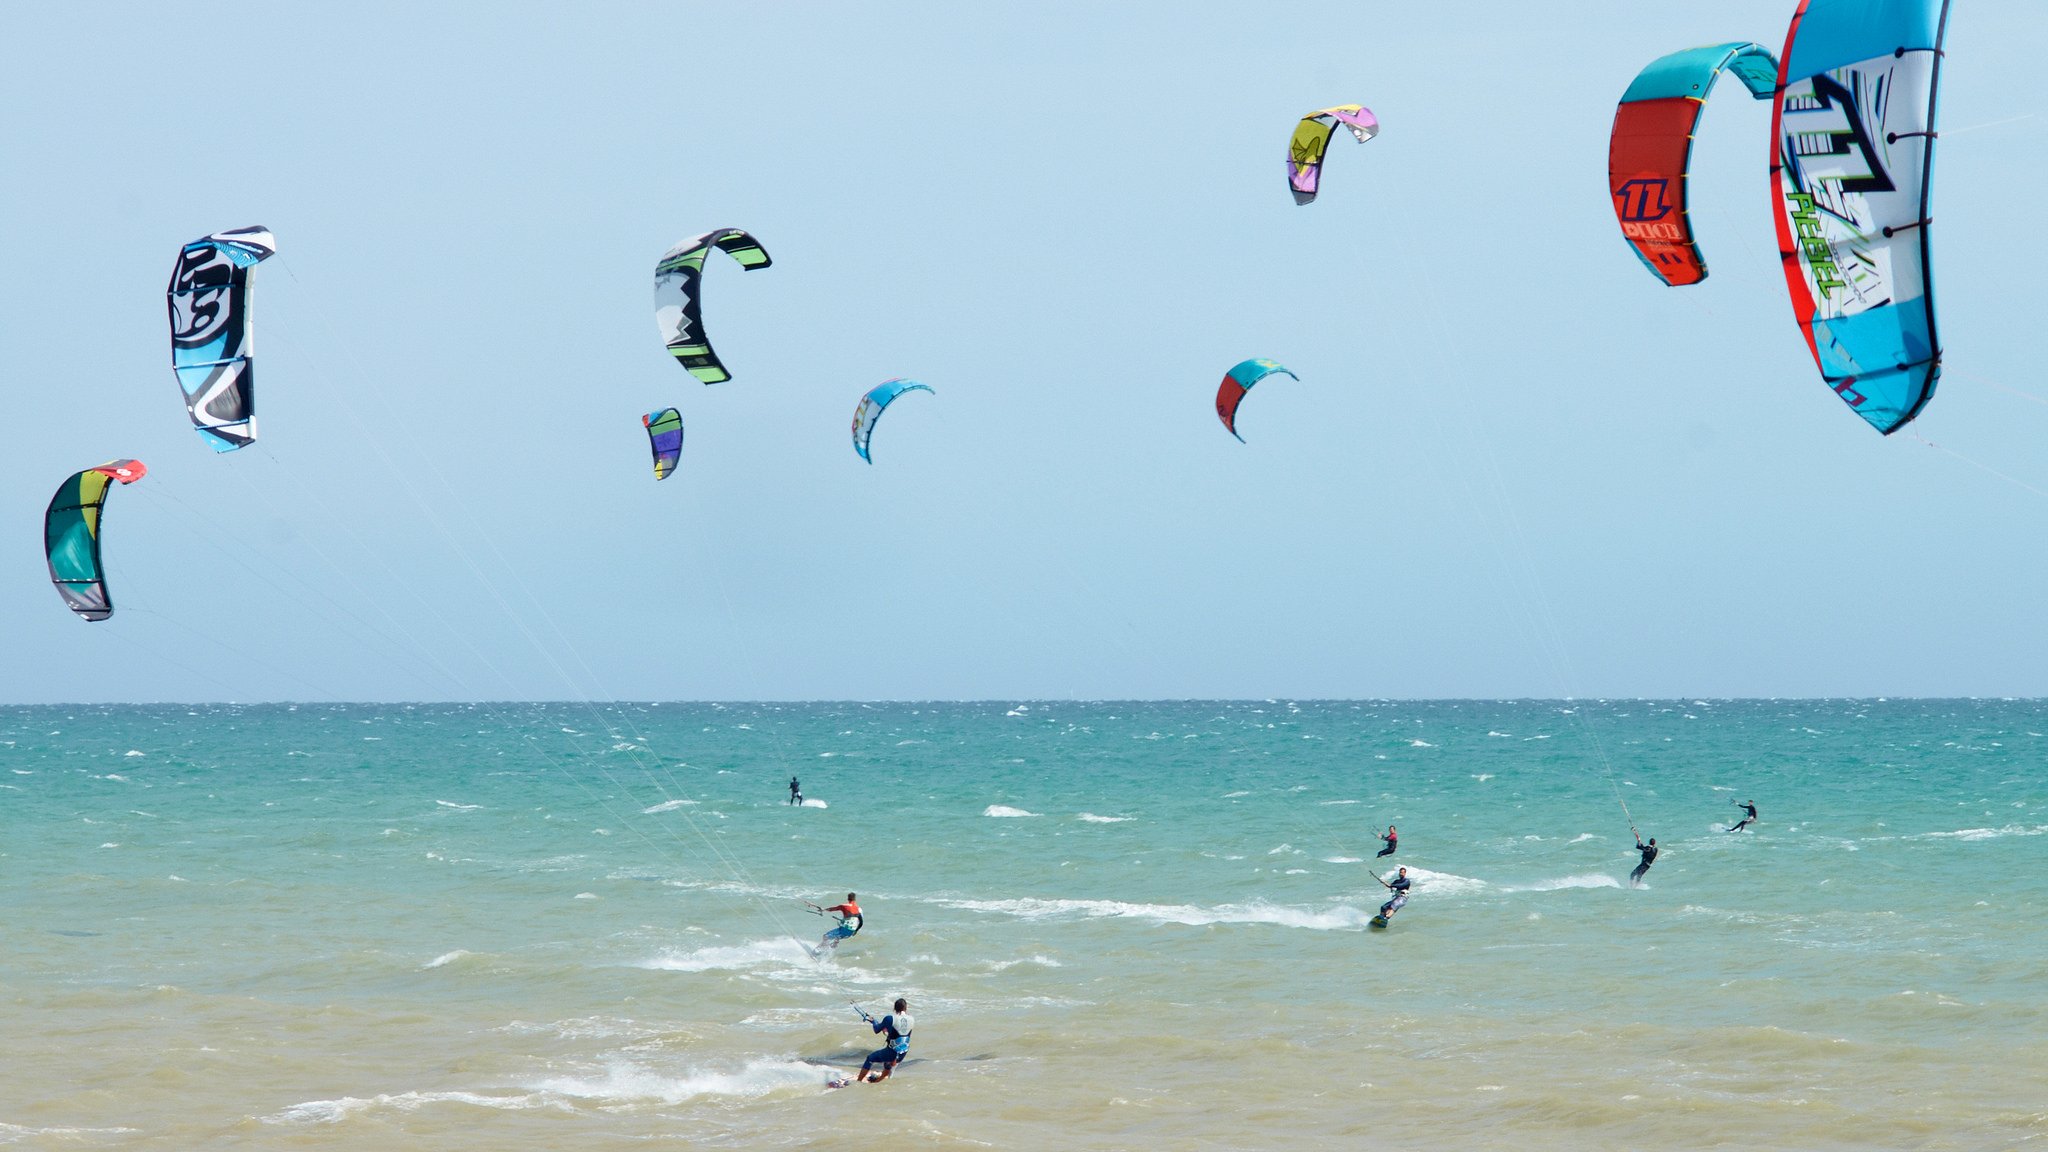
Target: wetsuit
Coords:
[(898, 1046), (1400, 900), (796, 795), (1748, 818), (1393, 840), (850, 923), (1649, 852)]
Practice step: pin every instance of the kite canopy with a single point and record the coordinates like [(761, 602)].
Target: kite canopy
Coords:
[(1853, 135), (665, 437), (1236, 383), (1311, 143), (1650, 153), (71, 536), (677, 286), (211, 342), (871, 406)]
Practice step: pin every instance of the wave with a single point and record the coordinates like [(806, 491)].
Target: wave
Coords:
[(1041, 961), (1234, 795), (1092, 818), (1343, 860), (1582, 837), (335, 1111), (1420, 744), (666, 806), (1581, 880), (781, 951), (1005, 810), (622, 1081), (446, 958), (1981, 833), (1255, 912), (131, 752), (458, 807), (810, 803)]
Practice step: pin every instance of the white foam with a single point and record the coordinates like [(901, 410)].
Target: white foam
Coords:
[(1420, 744), (1443, 883), (1283, 848), (621, 1081), (131, 752), (665, 806), (458, 807), (1005, 810), (780, 951), (444, 959), (1327, 803), (1500, 733), (810, 803), (1582, 837), (1483, 777), (586, 896), (1234, 795), (1343, 860), (624, 746), (1092, 818)]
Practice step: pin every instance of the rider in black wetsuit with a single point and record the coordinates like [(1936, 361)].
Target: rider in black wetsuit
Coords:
[(1649, 852), (796, 792), (1749, 814), (1399, 887)]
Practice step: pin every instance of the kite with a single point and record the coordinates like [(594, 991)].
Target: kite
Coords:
[(1311, 143), (678, 311), (1649, 156), (71, 536), (211, 343), (870, 410), (1238, 382), (1853, 149), (665, 437)]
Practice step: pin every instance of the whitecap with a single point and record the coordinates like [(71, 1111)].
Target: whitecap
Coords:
[(665, 806), (444, 958), (131, 752), (458, 807), (1582, 837), (1483, 777), (809, 802), (1092, 818), (1420, 744), (586, 896), (1234, 795), (1005, 810), (1343, 860)]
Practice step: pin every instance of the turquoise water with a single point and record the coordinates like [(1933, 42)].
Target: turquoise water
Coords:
[(1119, 925)]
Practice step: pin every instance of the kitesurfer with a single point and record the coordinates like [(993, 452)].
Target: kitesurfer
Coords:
[(1748, 814), (850, 921), (1399, 887), (1649, 852), (1393, 840), (796, 791), (896, 1026)]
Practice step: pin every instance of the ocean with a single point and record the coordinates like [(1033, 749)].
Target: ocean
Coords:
[(1118, 924)]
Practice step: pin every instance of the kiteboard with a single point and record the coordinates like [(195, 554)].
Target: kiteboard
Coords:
[(1379, 921), (837, 1082)]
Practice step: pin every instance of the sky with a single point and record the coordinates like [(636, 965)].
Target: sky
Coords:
[(1514, 464)]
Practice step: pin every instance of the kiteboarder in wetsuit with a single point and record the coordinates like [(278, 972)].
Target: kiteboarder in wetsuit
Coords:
[(1393, 840), (796, 792), (1399, 887), (1649, 852), (1749, 814), (897, 1027), (850, 922)]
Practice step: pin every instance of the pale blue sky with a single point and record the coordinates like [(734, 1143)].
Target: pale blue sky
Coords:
[(1513, 465)]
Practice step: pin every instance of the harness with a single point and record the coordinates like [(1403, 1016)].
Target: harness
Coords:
[(899, 1042)]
